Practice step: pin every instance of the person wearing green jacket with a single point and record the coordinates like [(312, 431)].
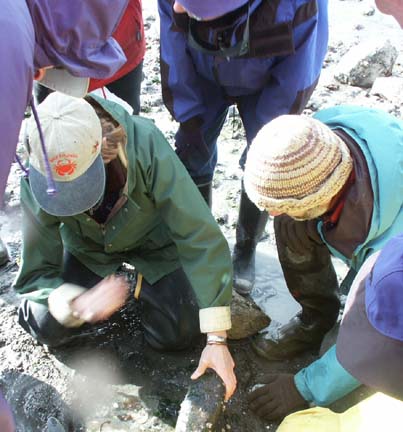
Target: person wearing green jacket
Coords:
[(122, 196)]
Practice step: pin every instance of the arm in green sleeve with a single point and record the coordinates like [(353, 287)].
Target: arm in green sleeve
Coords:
[(202, 248), (42, 250), (325, 380)]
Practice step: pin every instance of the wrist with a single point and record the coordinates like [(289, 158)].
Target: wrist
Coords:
[(222, 333), (214, 339)]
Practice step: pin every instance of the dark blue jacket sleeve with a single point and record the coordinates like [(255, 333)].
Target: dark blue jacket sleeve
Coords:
[(293, 77), (180, 80)]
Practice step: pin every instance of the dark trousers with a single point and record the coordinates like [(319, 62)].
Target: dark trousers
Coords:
[(127, 88), (169, 313), (311, 279)]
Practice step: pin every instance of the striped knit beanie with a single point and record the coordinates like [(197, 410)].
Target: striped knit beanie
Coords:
[(296, 164)]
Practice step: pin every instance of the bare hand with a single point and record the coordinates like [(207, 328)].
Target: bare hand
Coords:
[(218, 358), (111, 141), (101, 301)]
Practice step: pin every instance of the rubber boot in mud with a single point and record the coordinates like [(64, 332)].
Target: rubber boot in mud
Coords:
[(249, 230), (312, 281), (4, 257), (207, 193), (292, 339)]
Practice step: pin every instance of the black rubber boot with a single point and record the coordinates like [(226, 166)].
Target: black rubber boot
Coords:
[(207, 193), (312, 281), (249, 230)]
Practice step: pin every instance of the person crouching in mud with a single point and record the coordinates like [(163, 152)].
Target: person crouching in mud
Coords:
[(122, 196), (327, 180)]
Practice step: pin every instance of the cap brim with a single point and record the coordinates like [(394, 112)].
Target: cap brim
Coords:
[(61, 80), (71, 198), (374, 359)]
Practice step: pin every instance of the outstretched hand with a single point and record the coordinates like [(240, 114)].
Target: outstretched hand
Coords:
[(218, 358)]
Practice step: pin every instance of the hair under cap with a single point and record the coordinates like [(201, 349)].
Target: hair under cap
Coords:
[(296, 164)]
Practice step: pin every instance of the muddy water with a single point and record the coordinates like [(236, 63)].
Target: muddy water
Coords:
[(270, 291)]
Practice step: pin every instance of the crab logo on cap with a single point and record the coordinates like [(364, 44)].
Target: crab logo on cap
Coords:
[(65, 167)]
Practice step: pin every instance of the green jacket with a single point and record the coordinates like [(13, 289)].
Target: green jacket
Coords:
[(164, 224)]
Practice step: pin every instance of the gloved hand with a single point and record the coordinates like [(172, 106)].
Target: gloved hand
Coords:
[(189, 140), (299, 236), (277, 398)]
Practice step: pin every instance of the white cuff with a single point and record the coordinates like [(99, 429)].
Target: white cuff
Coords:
[(59, 304), (214, 319)]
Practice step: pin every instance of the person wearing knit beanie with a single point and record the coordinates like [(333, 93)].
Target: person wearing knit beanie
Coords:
[(327, 181), (301, 171), (264, 57)]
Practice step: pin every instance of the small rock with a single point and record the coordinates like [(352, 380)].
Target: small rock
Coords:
[(363, 63), (222, 220), (369, 12), (246, 316), (333, 87)]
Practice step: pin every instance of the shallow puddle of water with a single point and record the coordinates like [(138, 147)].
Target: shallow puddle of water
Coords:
[(271, 292)]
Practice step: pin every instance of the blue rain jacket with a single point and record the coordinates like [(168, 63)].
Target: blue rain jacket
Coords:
[(288, 42), (380, 138)]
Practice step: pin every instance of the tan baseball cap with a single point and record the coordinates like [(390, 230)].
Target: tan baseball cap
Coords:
[(73, 137)]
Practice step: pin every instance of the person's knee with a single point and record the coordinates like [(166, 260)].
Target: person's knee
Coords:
[(172, 339), (36, 320)]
